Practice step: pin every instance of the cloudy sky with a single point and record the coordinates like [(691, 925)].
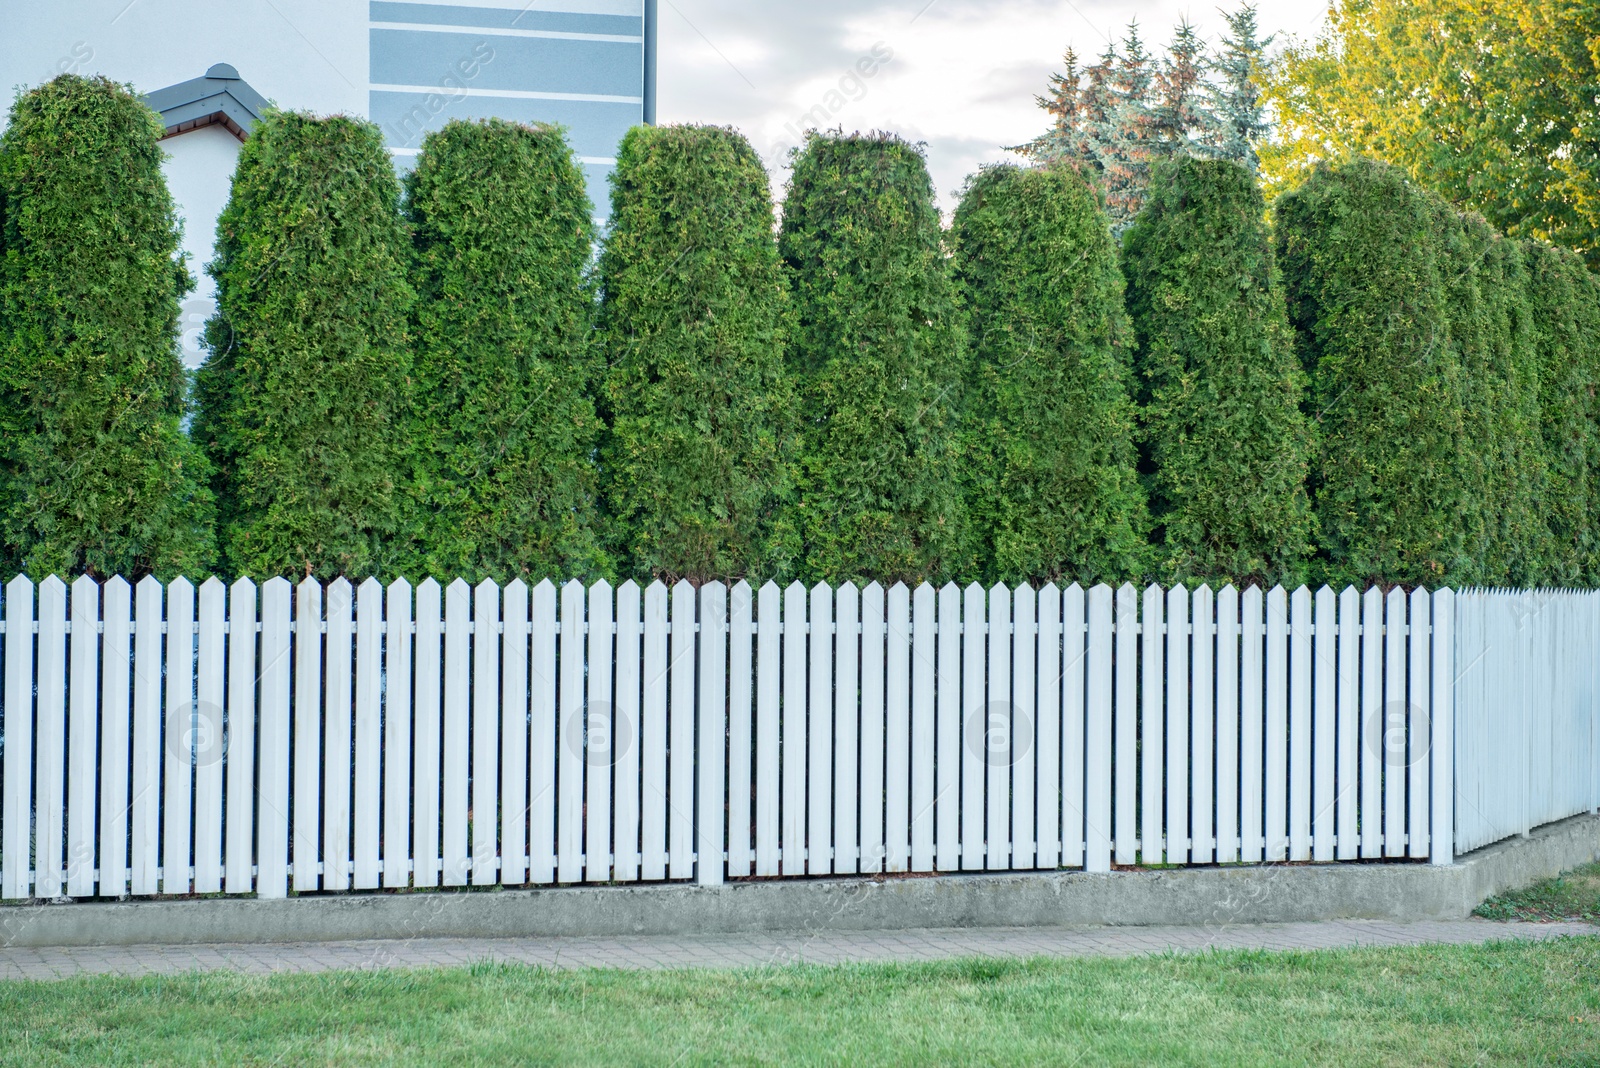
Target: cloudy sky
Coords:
[(961, 76)]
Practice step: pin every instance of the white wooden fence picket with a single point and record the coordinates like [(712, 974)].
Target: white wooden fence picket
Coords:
[(251, 739)]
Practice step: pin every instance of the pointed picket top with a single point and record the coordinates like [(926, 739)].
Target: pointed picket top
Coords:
[(1325, 589), (822, 589), (1203, 588), (1127, 587), (458, 588), (601, 589), (1228, 588), (973, 588), (149, 587), (630, 587), (950, 587), (370, 587), (999, 588), (1154, 588), (278, 585), (213, 587), (116, 582), (546, 588), (770, 588), (655, 585), (899, 589), (795, 589), (20, 586), (309, 586), (570, 584), (400, 589), (488, 588), (683, 585), (847, 585), (1278, 591), (924, 585), (1050, 589), (742, 589), (85, 591), (341, 595), (430, 584), (874, 587)]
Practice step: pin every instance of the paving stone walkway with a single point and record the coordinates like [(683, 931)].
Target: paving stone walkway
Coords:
[(746, 950)]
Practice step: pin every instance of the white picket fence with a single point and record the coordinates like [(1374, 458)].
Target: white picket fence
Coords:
[(257, 740), (1527, 732)]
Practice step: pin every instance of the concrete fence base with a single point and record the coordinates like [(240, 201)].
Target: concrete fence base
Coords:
[(1193, 896)]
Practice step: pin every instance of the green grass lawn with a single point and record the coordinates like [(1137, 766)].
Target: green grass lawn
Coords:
[(1574, 896), (1505, 1003)]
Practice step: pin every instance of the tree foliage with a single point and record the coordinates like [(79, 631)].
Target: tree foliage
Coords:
[(1493, 105), (878, 358), (694, 317), (1360, 247), (96, 473), (304, 400), (504, 428), (1225, 438), (1054, 490)]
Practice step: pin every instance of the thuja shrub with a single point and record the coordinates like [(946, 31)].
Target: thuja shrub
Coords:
[(693, 318), (96, 473), (1360, 246), (1503, 465), (504, 428), (878, 359), (304, 399), (1564, 304), (1053, 486), (1225, 441)]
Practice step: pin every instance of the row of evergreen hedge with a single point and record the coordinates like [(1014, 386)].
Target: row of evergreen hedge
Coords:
[(442, 382)]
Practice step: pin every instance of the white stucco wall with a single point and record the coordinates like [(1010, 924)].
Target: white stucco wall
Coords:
[(199, 169)]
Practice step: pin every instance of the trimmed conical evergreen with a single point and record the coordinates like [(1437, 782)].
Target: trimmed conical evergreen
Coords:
[(504, 428), (693, 318), (1564, 301), (1224, 437), (1361, 249), (1503, 469), (96, 473), (304, 401), (878, 357), (1053, 487)]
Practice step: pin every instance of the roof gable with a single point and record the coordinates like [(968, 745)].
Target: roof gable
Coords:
[(221, 97)]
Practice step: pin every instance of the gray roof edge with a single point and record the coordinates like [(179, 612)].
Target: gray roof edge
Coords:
[(203, 96)]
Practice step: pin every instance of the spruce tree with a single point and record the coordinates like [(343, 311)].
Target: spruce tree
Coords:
[(1053, 487), (693, 317), (878, 356), (1238, 116), (304, 399), (504, 428), (1361, 247), (1224, 435), (96, 473)]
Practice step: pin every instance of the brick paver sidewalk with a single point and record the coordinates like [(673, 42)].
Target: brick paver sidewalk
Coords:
[(741, 950)]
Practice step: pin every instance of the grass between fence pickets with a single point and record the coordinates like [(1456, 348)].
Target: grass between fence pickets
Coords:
[(1575, 895), (1504, 1002)]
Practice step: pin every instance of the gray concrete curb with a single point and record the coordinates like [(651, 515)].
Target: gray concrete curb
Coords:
[(1188, 897)]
